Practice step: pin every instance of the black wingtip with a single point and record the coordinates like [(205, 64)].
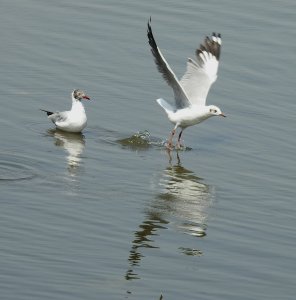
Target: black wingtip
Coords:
[(149, 24), (149, 30), (150, 36), (47, 112), (211, 45), (218, 35)]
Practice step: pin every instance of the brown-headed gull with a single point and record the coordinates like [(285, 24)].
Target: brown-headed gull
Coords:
[(191, 91), (73, 120)]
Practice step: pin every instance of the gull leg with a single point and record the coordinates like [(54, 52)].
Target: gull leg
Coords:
[(168, 151), (170, 141), (179, 140)]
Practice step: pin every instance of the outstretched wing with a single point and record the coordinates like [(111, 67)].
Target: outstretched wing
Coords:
[(201, 74), (169, 76)]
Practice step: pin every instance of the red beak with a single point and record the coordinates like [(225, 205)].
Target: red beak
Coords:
[(222, 115), (86, 97)]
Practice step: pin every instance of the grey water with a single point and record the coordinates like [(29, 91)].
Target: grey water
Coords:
[(109, 214)]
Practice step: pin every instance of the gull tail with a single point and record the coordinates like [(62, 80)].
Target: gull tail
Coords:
[(166, 106), (47, 112)]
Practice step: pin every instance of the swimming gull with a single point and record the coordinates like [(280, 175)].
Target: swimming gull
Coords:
[(74, 120)]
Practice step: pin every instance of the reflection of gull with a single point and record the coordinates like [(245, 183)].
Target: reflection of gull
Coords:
[(73, 143), (184, 199), (143, 238)]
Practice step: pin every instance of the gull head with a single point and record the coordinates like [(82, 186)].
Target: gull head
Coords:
[(79, 95), (215, 111)]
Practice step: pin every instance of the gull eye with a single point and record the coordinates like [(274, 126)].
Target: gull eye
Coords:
[(213, 111)]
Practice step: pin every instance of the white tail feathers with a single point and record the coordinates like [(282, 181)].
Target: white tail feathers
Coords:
[(166, 106)]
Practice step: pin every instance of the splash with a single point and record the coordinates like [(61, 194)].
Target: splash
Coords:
[(142, 140)]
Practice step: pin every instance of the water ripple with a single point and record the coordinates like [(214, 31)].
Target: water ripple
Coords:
[(14, 167)]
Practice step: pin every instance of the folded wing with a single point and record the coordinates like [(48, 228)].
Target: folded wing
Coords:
[(59, 117)]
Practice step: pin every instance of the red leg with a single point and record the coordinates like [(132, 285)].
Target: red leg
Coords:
[(170, 141)]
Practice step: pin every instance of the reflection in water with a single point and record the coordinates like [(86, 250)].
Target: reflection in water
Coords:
[(183, 201), (74, 145), (144, 239), (185, 196)]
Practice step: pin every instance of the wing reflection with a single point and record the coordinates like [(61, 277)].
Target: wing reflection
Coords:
[(186, 196), (182, 202), (144, 239), (73, 144)]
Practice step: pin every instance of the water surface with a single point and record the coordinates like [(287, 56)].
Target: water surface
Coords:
[(108, 214)]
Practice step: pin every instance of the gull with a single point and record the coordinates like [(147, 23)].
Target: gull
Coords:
[(73, 120), (191, 91)]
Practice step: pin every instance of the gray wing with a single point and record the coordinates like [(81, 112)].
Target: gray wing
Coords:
[(59, 117), (181, 99), (201, 74)]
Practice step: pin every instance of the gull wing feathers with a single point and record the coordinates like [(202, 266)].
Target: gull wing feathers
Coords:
[(47, 112), (181, 99), (58, 117), (201, 74)]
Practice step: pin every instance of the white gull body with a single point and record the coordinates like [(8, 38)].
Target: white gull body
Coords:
[(191, 91), (74, 120)]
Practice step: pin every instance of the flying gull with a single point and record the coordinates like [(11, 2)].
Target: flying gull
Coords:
[(191, 91)]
